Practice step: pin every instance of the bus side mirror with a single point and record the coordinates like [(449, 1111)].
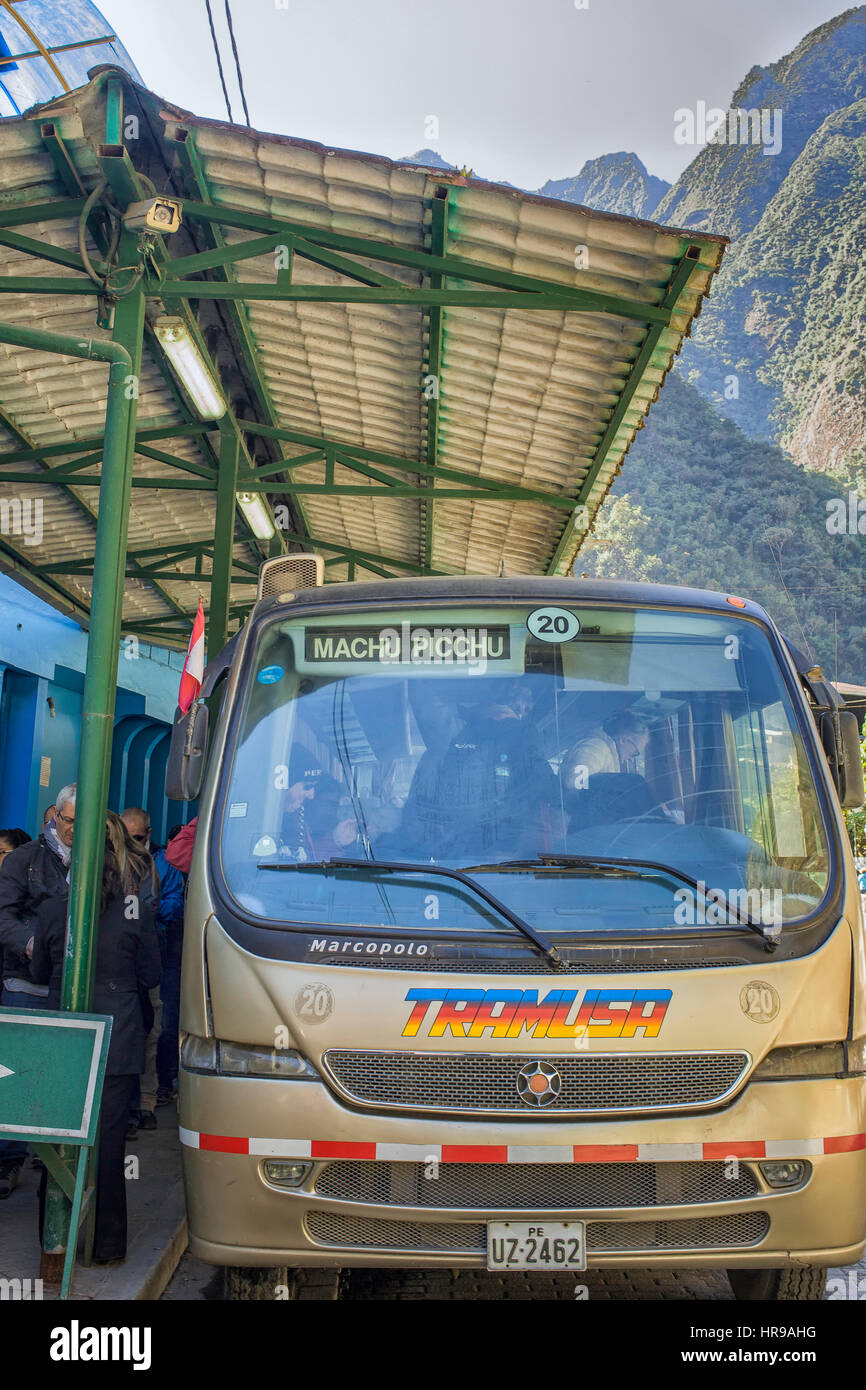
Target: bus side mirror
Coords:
[(187, 754), (840, 735), (851, 791)]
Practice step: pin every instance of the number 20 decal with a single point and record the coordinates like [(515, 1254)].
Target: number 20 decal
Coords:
[(553, 624)]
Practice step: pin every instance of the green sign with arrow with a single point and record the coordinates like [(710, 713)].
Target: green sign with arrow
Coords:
[(52, 1067)]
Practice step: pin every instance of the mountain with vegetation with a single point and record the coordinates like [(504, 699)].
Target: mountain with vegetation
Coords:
[(727, 186), (613, 183), (759, 437), (780, 344), (699, 503)]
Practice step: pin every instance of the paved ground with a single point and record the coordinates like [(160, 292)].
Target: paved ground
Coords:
[(195, 1280), (156, 1220)]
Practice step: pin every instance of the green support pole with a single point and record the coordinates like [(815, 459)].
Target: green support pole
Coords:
[(124, 357), (223, 543)]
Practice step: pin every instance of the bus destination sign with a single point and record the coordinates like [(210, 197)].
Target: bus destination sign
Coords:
[(409, 644)]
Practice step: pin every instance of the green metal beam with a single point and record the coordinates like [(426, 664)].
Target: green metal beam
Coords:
[(29, 246), (438, 246), (351, 456), (60, 210), (455, 266), (36, 453), (676, 285), (584, 301), (188, 484), (348, 552), (62, 160), (13, 562), (260, 246), (191, 167), (186, 465), (47, 284), (223, 543), (479, 494)]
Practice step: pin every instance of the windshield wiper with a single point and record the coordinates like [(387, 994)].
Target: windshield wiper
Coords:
[(395, 867), (631, 868)]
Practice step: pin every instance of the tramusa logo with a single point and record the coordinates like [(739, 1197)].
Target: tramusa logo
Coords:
[(505, 1013)]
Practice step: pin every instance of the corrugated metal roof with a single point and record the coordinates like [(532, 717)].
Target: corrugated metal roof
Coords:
[(524, 395)]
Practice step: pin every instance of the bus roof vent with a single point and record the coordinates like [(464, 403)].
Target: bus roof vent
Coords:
[(304, 571)]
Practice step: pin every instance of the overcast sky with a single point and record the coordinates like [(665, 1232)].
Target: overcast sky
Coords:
[(523, 90)]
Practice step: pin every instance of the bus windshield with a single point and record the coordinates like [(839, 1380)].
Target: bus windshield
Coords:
[(523, 746)]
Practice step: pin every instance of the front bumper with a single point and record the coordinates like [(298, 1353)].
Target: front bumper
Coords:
[(236, 1217)]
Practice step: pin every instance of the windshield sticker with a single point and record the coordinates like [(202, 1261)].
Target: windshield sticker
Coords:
[(553, 624), (603, 1013), (269, 675), (409, 645)]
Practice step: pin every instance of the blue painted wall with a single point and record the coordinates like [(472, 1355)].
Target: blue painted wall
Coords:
[(42, 661)]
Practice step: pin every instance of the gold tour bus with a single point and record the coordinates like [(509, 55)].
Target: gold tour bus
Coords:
[(522, 932)]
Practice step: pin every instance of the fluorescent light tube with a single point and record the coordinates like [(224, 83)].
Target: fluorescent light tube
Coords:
[(190, 368), (257, 516)]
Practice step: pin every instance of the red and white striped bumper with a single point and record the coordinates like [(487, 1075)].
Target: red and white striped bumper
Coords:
[(522, 1153)]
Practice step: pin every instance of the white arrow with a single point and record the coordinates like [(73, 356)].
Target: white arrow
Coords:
[(4, 1071)]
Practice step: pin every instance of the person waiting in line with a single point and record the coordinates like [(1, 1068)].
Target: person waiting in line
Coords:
[(33, 874), (614, 746), (12, 1151), (169, 922), (144, 881), (12, 839), (127, 964), (178, 851)]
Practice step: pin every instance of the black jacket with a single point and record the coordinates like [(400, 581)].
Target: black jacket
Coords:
[(32, 876), (127, 959)]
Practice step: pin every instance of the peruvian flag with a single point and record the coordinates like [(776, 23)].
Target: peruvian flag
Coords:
[(193, 667)]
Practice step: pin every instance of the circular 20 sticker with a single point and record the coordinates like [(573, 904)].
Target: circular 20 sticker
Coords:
[(314, 1003), (759, 1001), (553, 624)]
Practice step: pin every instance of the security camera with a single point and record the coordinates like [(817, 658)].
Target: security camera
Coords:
[(154, 215)]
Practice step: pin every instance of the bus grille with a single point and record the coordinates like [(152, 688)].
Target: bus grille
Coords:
[(483, 1083), (529, 965), (602, 1237), (534, 1186)]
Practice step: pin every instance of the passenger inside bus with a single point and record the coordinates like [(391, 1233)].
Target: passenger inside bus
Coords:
[(614, 746), (487, 792), (312, 827)]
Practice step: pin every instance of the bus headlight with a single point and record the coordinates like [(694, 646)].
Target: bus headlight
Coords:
[(283, 1174), (238, 1059), (787, 1172), (823, 1059)]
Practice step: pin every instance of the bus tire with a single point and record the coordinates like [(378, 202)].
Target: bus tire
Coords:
[(245, 1285), (801, 1283)]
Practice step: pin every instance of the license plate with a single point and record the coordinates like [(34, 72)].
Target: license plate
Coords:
[(548, 1245)]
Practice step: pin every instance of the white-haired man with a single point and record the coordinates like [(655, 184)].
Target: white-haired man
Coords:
[(33, 874)]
